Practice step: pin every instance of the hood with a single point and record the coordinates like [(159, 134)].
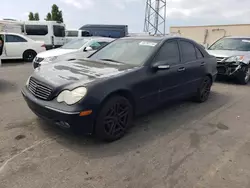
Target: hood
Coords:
[(55, 52), (75, 55), (226, 53), (78, 72)]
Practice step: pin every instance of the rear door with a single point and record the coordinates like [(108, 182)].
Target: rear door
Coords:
[(59, 35), (15, 46), (193, 61), (171, 79)]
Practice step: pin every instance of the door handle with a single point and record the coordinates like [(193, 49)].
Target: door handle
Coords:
[(203, 63), (181, 69)]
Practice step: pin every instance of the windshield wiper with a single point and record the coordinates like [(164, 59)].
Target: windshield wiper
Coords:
[(111, 60)]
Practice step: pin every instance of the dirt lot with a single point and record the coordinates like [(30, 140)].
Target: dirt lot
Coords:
[(181, 145)]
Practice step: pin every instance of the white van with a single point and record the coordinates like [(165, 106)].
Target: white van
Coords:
[(51, 32), (71, 34), (10, 26)]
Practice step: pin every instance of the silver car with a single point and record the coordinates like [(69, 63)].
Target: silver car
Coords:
[(233, 57), (82, 47)]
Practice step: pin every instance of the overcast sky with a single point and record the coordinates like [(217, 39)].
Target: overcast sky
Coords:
[(131, 12)]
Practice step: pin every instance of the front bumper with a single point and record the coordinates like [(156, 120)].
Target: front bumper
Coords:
[(229, 69), (59, 116)]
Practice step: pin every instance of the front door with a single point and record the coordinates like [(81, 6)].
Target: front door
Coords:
[(171, 79), (14, 46)]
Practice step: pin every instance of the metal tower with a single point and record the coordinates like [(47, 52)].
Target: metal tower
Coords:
[(155, 17)]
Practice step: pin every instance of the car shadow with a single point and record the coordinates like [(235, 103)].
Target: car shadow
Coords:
[(147, 128), (13, 62), (6, 86), (231, 81)]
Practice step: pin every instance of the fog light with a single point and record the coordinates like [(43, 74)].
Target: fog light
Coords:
[(63, 124)]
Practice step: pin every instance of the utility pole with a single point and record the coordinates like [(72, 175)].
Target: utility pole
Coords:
[(155, 17)]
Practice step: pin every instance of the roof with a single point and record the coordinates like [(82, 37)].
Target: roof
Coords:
[(150, 37), (11, 33), (239, 37), (225, 25)]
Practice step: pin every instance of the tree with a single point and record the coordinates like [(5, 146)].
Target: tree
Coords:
[(36, 16), (55, 14), (48, 17), (31, 16)]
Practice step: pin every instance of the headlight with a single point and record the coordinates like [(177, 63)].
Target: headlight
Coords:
[(72, 97), (235, 59), (49, 59)]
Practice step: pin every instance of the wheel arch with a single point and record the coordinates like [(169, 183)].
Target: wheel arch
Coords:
[(27, 50), (120, 92), (210, 76)]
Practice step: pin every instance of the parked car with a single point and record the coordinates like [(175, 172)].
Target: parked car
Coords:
[(233, 57), (71, 34), (85, 45), (18, 46), (101, 94)]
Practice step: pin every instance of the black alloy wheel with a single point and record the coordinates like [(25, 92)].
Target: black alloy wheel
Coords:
[(204, 90), (29, 55), (114, 119)]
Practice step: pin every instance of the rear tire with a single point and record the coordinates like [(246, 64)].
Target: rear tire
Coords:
[(114, 119), (204, 90), (244, 76), (29, 55)]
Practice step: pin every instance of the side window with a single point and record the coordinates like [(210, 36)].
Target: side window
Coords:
[(85, 34), (14, 38), (36, 30), (95, 45), (188, 51), (71, 33), (199, 54), (169, 52), (59, 31), (103, 43)]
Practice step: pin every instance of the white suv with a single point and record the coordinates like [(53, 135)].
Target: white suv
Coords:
[(18, 46)]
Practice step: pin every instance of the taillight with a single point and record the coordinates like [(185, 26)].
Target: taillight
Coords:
[(43, 45)]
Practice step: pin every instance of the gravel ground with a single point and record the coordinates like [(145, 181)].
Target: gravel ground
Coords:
[(180, 145)]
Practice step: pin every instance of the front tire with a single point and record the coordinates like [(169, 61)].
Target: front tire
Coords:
[(114, 118), (29, 55), (244, 76), (204, 90)]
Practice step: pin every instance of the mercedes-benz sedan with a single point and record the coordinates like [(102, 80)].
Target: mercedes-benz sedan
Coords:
[(102, 94)]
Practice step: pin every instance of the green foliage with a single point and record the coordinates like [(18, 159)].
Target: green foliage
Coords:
[(31, 16), (48, 17), (55, 15), (36, 16)]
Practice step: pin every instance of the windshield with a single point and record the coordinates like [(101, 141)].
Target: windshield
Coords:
[(234, 44), (75, 44), (128, 51)]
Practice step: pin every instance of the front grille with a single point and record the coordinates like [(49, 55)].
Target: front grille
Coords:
[(220, 59), (39, 89), (221, 70)]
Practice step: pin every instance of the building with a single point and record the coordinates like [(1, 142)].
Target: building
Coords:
[(208, 34)]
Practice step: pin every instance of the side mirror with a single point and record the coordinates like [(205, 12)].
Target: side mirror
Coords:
[(160, 65), (88, 48)]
